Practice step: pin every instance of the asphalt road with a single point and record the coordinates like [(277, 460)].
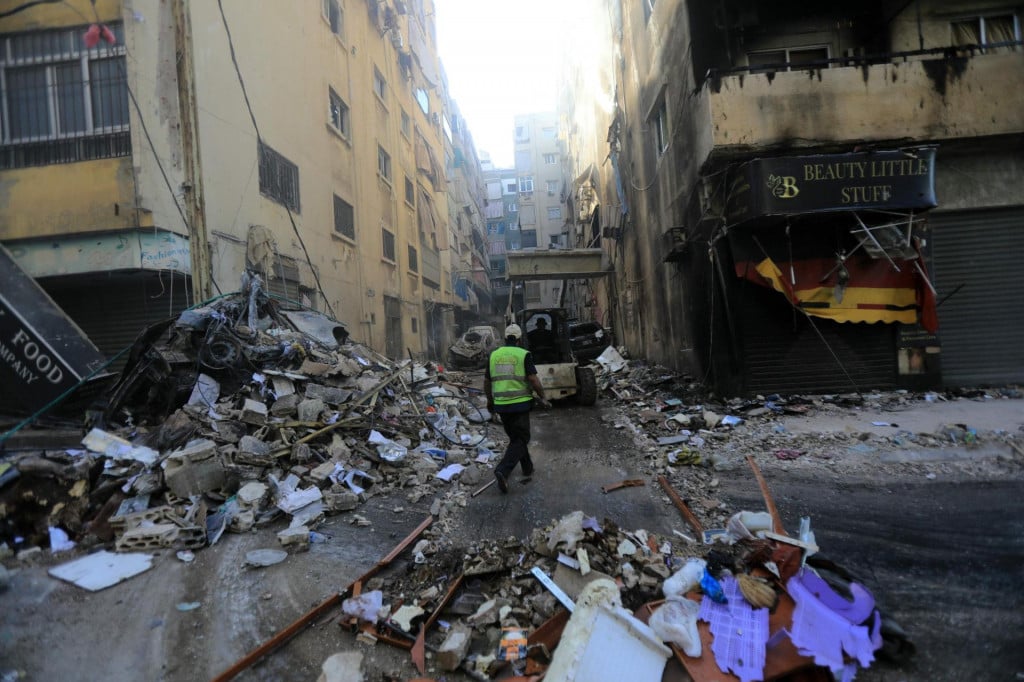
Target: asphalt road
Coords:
[(944, 558)]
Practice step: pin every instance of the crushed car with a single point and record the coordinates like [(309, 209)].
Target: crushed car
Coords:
[(473, 348), (588, 340)]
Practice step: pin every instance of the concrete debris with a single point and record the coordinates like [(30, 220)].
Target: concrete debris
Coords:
[(342, 667), (190, 422)]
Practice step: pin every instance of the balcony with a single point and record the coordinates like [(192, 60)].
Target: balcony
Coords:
[(917, 97)]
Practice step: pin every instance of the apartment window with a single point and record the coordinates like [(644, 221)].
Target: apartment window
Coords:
[(522, 134), (786, 58), (406, 125), (415, 325), (552, 187), (554, 212), (549, 132), (338, 113), (423, 99), (60, 101), (550, 159), (986, 30), (413, 262), (344, 218), (513, 208), (384, 164), (335, 17), (380, 86), (410, 192), (659, 126), (510, 187), (387, 238), (279, 178), (526, 184)]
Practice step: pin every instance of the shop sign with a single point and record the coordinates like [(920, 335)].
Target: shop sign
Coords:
[(791, 185)]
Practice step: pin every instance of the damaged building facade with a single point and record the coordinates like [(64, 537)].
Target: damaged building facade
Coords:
[(801, 197), (310, 144)]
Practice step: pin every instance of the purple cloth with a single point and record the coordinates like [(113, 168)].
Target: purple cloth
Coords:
[(824, 625), (740, 632)]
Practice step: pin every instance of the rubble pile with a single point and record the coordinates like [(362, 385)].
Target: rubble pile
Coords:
[(239, 413), (466, 606), (676, 423)]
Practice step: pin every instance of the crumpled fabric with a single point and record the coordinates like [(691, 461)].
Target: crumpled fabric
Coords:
[(826, 625)]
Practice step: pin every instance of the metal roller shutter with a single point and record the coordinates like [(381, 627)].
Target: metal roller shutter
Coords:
[(977, 263), (114, 308), (782, 353)]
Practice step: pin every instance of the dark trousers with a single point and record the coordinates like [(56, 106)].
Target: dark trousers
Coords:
[(517, 427)]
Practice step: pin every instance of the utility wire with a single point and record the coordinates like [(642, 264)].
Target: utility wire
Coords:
[(27, 5), (259, 139), (163, 173)]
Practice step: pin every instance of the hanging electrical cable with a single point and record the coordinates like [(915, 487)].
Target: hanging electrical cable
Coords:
[(259, 139)]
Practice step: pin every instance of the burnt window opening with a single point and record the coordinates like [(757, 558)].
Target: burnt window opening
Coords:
[(388, 244), (787, 58), (279, 178), (338, 112), (414, 264), (344, 218)]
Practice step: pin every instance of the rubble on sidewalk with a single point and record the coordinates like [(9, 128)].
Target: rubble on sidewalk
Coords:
[(678, 424), (238, 413)]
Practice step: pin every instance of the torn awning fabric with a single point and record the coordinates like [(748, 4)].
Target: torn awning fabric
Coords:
[(870, 290)]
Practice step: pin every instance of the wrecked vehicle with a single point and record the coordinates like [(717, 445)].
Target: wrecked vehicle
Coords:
[(588, 340), (473, 348)]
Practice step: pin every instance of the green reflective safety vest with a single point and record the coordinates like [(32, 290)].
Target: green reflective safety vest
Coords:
[(508, 376)]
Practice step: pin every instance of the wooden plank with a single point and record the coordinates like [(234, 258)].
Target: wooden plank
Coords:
[(334, 600), (681, 506), (766, 494)]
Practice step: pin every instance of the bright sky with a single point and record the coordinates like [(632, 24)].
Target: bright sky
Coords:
[(502, 58)]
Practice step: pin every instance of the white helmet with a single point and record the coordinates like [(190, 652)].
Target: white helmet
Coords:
[(514, 331)]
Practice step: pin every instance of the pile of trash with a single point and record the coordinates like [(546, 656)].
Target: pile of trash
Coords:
[(235, 414), (583, 599)]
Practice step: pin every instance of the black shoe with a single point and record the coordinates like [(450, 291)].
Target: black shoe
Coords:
[(526, 478), (502, 481)]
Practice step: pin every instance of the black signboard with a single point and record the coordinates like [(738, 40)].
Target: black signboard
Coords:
[(42, 352), (790, 185)]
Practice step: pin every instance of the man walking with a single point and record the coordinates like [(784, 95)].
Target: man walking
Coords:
[(510, 375)]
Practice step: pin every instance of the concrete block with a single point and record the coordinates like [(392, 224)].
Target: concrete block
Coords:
[(148, 537), (454, 648), (341, 500), (294, 539), (196, 450), (320, 473), (285, 406), (194, 470), (301, 452), (252, 450), (328, 394), (342, 667), (252, 493), (310, 409), (254, 412)]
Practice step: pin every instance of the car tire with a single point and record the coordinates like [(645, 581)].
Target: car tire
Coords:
[(586, 386)]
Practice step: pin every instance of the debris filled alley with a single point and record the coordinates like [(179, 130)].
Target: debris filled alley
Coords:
[(262, 499)]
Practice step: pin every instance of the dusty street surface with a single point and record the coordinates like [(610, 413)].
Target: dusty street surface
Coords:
[(936, 533)]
